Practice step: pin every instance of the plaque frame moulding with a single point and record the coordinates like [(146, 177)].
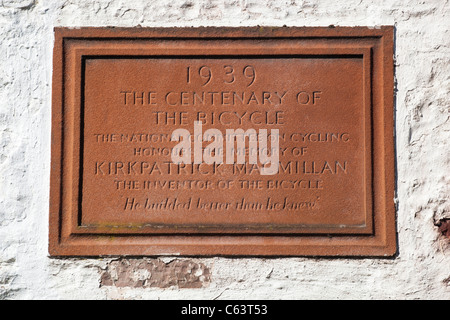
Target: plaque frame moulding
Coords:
[(69, 236)]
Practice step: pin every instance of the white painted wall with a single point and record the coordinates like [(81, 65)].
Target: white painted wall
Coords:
[(420, 271)]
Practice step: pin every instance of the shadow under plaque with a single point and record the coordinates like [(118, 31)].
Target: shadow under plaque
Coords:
[(223, 141)]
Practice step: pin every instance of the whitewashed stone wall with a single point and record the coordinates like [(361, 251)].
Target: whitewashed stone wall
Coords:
[(422, 54)]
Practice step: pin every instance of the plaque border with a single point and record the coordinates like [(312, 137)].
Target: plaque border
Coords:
[(67, 240), (79, 55)]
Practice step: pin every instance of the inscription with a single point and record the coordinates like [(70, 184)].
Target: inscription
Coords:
[(217, 98), (224, 138), (228, 75), (103, 168), (132, 204)]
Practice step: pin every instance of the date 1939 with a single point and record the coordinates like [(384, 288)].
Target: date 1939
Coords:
[(228, 74)]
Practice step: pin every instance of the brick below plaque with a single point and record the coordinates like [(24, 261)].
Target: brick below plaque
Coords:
[(222, 141)]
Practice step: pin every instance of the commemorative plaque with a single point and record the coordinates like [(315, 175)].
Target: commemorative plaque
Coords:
[(223, 141)]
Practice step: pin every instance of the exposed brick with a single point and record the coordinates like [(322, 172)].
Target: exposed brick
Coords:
[(144, 273)]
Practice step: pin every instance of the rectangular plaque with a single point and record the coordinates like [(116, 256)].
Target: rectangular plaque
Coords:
[(223, 141)]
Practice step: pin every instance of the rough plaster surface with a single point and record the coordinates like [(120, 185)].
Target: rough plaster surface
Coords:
[(420, 271)]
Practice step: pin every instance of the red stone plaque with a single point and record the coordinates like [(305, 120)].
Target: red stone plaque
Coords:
[(221, 141)]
